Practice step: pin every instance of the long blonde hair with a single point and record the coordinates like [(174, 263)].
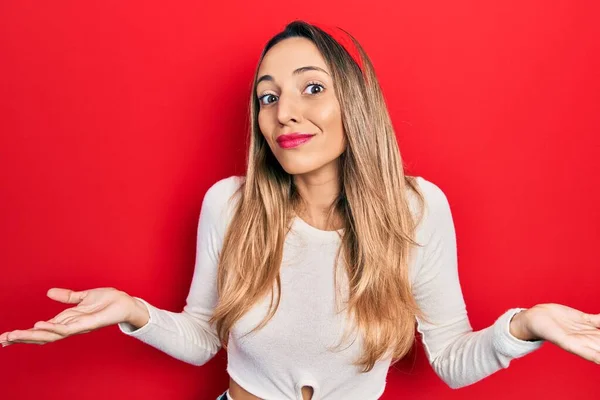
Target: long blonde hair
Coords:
[(378, 225)]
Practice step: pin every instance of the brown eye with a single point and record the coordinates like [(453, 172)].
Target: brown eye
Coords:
[(268, 97), (315, 88)]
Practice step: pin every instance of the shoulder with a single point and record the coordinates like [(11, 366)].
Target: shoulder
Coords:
[(224, 189), (435, 198), (220, 197), (436, 206)]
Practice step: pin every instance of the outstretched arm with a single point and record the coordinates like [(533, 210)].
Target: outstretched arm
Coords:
[(458, 355), (187, 335)]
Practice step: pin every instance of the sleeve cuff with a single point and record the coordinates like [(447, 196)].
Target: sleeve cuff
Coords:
[(131, 330), (507, 344)]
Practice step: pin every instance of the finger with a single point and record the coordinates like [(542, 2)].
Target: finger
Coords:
[(81, 324), (51, 325), (66, 295), (33, 335), (63, 315), (74, 327), (22, 342), (45, 325)]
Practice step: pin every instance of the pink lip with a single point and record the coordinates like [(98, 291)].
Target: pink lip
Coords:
[(293, 140)]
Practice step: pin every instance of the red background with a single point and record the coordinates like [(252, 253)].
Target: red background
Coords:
[(116, 117)]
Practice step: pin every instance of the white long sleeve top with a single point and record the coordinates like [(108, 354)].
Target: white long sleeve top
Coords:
[(291, 350)]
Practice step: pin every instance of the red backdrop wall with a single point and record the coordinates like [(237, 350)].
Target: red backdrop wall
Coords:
[(116, 117)]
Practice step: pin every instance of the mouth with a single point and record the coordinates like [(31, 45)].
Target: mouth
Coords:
[(293, 140)]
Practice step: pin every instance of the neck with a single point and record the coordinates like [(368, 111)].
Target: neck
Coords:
[(319, 189)]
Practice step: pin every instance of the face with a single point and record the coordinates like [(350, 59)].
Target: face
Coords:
[(299, 113)]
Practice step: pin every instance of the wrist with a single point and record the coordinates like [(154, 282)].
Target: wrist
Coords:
[(138, 315), (519, 326)]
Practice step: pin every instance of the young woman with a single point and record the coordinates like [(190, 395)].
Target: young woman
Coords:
[(315, 268)]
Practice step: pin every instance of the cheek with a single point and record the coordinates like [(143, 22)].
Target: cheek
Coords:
[(265, 126), (262, 122), (330, 118)]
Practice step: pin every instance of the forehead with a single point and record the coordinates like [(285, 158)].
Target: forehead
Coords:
[(290, 54)]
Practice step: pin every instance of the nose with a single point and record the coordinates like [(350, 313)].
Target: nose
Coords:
[(288, 109)]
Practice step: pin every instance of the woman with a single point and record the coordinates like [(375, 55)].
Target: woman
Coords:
[(323, 242)]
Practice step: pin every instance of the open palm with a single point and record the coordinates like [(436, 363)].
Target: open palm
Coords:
[(570, 329), (95, 308)]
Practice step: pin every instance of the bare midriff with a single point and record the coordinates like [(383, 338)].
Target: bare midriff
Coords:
[(239, 393)]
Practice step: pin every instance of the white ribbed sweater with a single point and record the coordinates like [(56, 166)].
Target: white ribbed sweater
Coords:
[(291, 350)]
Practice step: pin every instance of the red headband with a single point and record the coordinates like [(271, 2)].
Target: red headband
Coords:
[(344, 39)]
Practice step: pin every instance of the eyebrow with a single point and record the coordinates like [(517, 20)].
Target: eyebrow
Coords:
[(296, 72)]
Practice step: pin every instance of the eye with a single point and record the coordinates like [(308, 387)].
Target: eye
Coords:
[(267, 96), (315, 85)]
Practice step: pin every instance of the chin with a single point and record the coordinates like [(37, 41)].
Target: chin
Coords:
[(302, 165), (298, 165), (299, 169)]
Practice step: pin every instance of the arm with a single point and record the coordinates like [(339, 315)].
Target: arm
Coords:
[(458, 355), (187, 335)]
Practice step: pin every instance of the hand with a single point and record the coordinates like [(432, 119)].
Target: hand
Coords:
[(96, 308), (570, 329)]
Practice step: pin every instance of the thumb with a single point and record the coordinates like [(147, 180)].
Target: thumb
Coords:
[(66, 295)]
